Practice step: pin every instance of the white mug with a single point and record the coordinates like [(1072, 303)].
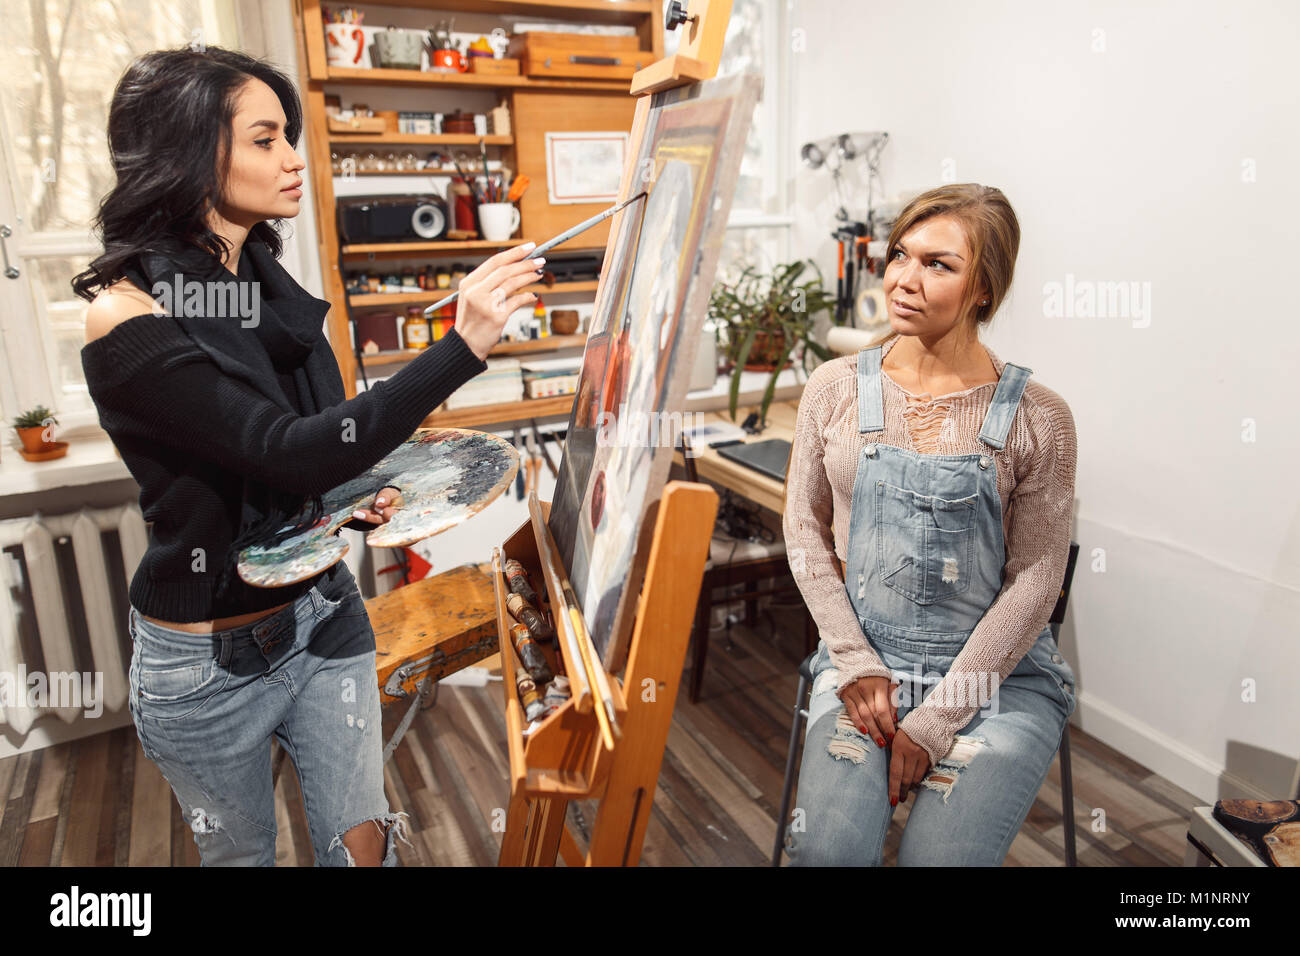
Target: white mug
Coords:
[(498, 220), (348, 45)]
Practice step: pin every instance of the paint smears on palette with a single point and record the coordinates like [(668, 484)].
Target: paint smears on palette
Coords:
[(446, 475)]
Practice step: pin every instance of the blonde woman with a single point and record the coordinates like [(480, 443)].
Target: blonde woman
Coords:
[(928, 523)]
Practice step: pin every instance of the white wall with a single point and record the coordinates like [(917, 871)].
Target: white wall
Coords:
[(1125, 163)]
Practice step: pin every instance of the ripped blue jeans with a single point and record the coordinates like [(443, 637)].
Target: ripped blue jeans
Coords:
[(206, 706), (968, 809)]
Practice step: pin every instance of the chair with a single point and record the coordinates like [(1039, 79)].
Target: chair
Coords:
[(801, 715)]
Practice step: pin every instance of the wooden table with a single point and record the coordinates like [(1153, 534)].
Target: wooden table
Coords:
[(744, 481)]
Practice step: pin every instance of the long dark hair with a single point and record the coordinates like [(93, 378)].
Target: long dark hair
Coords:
[(170, 144)]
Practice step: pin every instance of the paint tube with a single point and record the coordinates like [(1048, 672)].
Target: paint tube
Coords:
[(557, 692), (526, 614), (528, 694), (518, 579), (530, 655)]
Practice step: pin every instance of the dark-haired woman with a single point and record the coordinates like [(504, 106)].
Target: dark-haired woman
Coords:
[(927, 520), (210, 371)]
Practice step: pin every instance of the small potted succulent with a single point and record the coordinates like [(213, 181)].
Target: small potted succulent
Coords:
[(35, 431), (766, 316)]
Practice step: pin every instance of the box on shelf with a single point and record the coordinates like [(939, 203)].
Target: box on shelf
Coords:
[(552, 385), (580, 55), (490, 66), (357, 124), (544, 378)]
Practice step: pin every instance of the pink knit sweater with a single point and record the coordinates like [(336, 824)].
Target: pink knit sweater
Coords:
[(1036, 483)]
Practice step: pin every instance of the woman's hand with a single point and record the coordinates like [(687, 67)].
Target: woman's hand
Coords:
[(907, 765), (488, 296), (870, 703), (385, 505)]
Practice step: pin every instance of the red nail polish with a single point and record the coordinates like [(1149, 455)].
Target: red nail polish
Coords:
[(880, 741), (893, 801)]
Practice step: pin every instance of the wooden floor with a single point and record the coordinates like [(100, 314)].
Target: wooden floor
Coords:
[(100, 802)]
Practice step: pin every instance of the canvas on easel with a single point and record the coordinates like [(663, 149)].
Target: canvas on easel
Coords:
[(685, 150)]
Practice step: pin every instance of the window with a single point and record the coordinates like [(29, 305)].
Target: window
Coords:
[(759, 227), (66, 59)]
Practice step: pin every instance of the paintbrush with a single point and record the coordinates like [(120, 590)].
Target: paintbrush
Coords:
[(468, 182), (552, 243)]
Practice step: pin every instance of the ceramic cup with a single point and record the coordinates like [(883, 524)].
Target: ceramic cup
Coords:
[(347, 45), (498, 220)]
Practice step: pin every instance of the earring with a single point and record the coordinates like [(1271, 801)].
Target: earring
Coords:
[(984, 302)]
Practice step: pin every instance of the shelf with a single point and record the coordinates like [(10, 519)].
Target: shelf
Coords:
[(551, 343), (381, 299), (401, 248), (504, 412), (404, 172), (471, 81), (593, 11), (420, 139)]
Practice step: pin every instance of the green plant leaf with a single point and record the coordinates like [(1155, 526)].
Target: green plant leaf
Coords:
[(745, 347), (770, 391)]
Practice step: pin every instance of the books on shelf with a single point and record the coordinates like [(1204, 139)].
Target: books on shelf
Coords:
[(501, 382)]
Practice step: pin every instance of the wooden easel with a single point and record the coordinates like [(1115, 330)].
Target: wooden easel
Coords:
[(586, 750), (567, 756), (697, 55)]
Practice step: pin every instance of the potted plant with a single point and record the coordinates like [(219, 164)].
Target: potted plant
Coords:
[(766, 316), (32, 427)]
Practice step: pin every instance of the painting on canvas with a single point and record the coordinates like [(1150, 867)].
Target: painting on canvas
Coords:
[(685, 151)]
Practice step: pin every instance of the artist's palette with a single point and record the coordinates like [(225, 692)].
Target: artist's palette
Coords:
[(445, 474)]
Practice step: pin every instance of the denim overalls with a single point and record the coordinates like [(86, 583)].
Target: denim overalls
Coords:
[(925, 561)]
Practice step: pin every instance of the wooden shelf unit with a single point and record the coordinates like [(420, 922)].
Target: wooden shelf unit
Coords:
[(536, 106)]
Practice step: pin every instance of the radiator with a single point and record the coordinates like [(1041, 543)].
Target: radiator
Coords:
[(64, 638)]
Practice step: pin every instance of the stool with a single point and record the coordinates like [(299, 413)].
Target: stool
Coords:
[(801, 716), (425, 631)]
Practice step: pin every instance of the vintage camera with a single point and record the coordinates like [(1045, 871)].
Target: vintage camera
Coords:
[(392, 218)]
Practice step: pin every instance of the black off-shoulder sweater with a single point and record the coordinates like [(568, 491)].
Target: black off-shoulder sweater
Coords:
[(212, 413)]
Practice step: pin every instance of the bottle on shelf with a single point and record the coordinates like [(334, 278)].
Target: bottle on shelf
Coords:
[(536, 330), (415, 330)]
